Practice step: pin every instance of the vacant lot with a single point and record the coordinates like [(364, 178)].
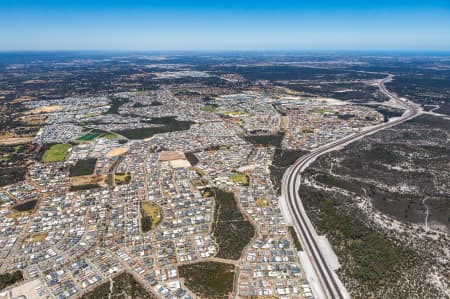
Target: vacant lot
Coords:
[(56, 153), (239, 178), (208, 279), (122, 178), (116, 152), (151, 215)]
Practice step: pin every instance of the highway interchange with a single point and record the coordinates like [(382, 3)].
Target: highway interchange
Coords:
[(330, 284)]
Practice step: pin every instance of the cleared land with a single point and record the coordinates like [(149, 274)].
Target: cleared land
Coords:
[(56, 153), (208, 279), (37, 237), (81, 180), (116, 152), (15, 140), (45, 109)]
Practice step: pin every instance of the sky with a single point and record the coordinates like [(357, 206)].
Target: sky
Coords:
[(139, 25)]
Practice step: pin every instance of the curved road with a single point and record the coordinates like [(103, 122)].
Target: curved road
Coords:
[(330, 283)]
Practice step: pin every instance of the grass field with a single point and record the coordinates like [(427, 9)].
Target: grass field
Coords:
[(97, 134), (262, 202), (56, 153), (239, 178), (122, 178), (208, 108), (151, 215), (110, 136), (38, 237), (233, 113), (17, 214), (208, 279), (322, 111), (88, 136)]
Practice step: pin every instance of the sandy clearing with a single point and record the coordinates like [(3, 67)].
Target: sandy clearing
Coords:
[(34, 81), (180, 163), (116, 152), (171, 155), (45, 109), (15, 140), (87, 179), (28, 289), (284, 122), (22, 99)]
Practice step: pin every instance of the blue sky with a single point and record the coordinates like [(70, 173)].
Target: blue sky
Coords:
[(225, 25)]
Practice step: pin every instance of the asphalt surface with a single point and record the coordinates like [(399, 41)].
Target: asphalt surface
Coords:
[(331, 285)]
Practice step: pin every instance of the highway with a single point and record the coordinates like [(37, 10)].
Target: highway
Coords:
[(330, 283)]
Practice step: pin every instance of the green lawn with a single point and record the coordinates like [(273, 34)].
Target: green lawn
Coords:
[(110, 136), (322, 111), (88, 136), (56, 153), (208, 108), (239, 178)]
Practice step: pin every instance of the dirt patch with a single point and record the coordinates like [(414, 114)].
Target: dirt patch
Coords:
[(45, 109), (180, 163), (22, 99), (171, 155), (15, 140), (116, 152), (87, 179)]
